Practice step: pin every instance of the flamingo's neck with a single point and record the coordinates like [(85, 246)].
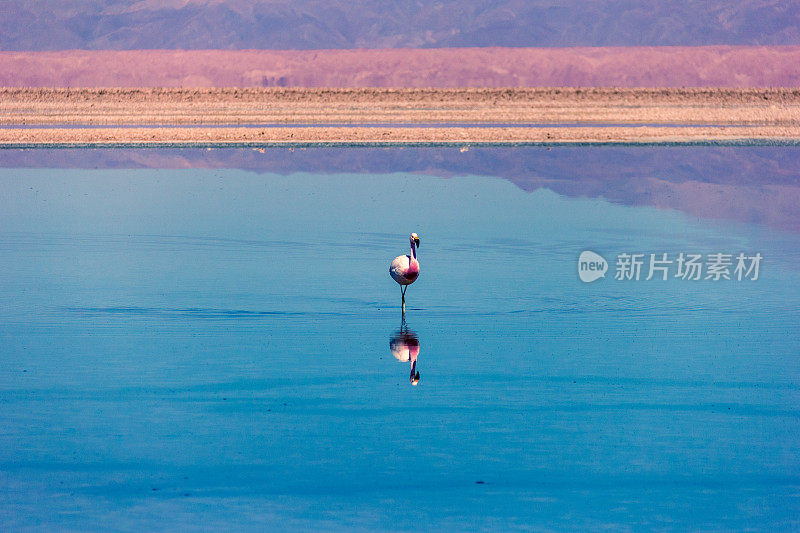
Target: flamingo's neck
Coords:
[(413, 250)]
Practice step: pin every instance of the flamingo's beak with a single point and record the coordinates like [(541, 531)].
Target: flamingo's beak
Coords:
[(416, 241)]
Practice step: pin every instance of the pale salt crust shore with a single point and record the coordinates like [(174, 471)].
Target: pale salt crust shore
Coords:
[(87, 117)]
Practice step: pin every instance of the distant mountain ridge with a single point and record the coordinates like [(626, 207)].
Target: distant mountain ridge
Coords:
[(37, 25)]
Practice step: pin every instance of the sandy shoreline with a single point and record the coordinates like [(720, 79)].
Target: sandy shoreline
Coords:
[(374, 135), (31, 117)]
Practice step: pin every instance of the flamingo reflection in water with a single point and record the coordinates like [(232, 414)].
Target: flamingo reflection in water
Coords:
[(404, 345)]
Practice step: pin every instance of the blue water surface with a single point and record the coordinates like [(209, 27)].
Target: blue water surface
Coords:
[(208, 348)]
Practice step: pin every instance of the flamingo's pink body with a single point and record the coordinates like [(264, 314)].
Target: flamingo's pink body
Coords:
[(405, 268)]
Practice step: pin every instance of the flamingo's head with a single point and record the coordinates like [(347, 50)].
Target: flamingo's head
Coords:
[(415, 379), (415, 239)]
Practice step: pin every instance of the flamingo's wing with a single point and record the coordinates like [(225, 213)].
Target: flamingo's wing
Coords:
[(399, 267)]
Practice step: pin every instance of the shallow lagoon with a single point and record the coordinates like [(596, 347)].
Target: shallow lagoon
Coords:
[(209, 347)]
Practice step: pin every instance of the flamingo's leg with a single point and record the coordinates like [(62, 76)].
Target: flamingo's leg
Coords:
[(403, 295)]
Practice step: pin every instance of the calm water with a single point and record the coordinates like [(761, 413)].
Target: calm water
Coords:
[(209, 348)]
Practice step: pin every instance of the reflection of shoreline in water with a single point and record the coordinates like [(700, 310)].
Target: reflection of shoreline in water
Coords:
[(754, 184), (404, 345)]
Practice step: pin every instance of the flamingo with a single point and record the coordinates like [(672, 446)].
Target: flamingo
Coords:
[(405, 269)]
